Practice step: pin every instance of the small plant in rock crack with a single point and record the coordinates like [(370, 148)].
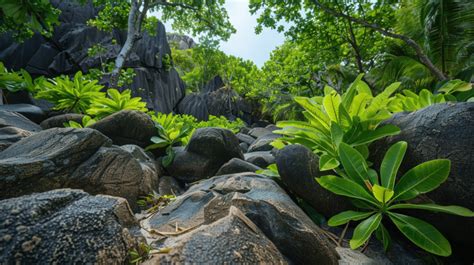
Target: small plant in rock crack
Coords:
[(140, 254), (382, 197), (86, 122), (153, 202)]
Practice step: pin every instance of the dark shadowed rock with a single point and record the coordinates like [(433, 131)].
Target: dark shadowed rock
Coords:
[(233, 239), (263, 202), (14, 119), (207, 150), (169, 186), (440, 131), (245, 138), (236, 165), (298, 167), (244, 147), (59, 120), (263, 142), (31, 112), (194, 104), (127, 127), (261, 158), (10, 135), (65, 227)]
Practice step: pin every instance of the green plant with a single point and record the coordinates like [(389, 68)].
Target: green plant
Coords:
[(140, 254), (381, 196), (116, 101), (16, 81), (74, 95), (86, 122), (170, 133), (271, 171), (154, 202), (352, 118)]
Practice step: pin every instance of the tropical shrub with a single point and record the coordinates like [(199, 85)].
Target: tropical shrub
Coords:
[(16, 81), (74, 95), (352, 118), (116, 101), (381, 196)]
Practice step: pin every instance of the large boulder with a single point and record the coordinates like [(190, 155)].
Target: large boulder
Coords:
[(298, 167), (262, 201), (261, 158), (10, 135), (14, 119), (66, 52), (194, 104), (237, 165), (440, 131), (207, 150), (65, 227), (230, 239), (263, 143), (127, 127), (74, 158)]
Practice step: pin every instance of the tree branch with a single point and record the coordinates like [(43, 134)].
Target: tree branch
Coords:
[(410, 42)]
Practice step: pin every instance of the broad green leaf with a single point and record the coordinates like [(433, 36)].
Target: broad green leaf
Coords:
[(382, 234), (451, 209), (351, 92), (331, 106), (422, 234), (336, 134), (354, 163), (422, 178), (346, 216), (381, 132), (345, 187), (327, 162), (364, 230), (382, 194), (391, 163)]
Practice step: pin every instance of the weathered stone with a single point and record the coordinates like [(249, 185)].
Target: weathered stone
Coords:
[(440, 131), (10, 135), (262, 158), (245, 138), (13, 119), (65, 227), (169, 186), (263, 142), (194, 104), (59, 120), (232, 239), (190, 167), (127, 127), (263, 202), (236, 165), (259, 131), (31, 112), (244, 147), (298, 167)]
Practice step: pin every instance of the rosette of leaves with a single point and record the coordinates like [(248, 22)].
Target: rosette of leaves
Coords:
[(17, 81), (170, 133), (74, 95), (381, 196), (352, 118), (114, 102)]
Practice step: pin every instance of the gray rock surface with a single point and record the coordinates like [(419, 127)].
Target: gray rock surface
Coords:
[(127, 127), (245, 138), (194, 104), (263, 142), (262, 158), (298, 167), (59, 120), (182, 42), (10, 135), (232, 239), (244, 147), (262, 201), (14, 119), (259, 131), (31, 112), (74, 158), (65, 227), (236, 165)]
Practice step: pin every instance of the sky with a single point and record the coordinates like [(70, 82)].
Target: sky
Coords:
[(245, 42)]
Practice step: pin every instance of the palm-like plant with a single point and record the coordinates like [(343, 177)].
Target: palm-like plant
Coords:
[(116, 101), (382, 196)]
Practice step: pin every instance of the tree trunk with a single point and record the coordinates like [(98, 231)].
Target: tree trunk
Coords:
[(410, 42)]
